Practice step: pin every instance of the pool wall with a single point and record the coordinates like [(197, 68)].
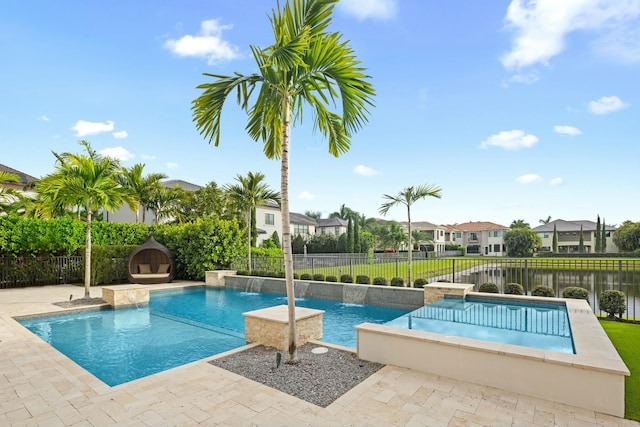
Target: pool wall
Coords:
[(593, 378), (395, 297)]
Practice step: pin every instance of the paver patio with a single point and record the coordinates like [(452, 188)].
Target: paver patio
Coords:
[(41, 387)]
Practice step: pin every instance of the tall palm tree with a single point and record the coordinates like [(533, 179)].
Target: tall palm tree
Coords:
[(8, 196), (141, 186), (546, 220), (306, 65), (408, 197), (84, 181), (344, 213), (249, 193)]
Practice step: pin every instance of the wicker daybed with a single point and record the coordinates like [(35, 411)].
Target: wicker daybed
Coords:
[(150, 263)]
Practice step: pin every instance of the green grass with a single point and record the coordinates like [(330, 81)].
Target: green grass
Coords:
[(626, 338)]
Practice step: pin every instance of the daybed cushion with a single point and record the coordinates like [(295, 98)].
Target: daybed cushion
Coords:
[(163, 268), (144, 268), (150, 276)]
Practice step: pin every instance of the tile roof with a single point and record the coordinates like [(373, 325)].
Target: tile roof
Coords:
[(24, 178), (562, 226), (478, 226), (182, 184)]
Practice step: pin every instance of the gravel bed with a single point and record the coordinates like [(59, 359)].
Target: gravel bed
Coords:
[(79, 302), (317, 378)]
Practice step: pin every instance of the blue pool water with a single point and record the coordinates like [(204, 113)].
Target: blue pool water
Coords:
[(537, 325), (179, 327)]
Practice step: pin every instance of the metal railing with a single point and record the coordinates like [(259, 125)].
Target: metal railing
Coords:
[(21, 272)]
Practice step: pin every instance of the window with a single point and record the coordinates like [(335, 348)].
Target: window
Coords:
[(269, 218), (441, 233), (497, 233), (300, 229), (458, 234), (545, 235), (473, 237), (496, 248), (337, 230)]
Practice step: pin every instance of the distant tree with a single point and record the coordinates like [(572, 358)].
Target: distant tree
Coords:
[(545, 221), (297, 244), (627, 236), (276, 239), (603, 238), (357, 247), (598, 237), (313, 214), (142, 187), (350, 240), (555, 240), (581, 242), (407, 198), (8, 197), (519, 223), (521, 242), (344, 213)]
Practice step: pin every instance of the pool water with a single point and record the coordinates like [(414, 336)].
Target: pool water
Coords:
[(537, 325), (179, 327)]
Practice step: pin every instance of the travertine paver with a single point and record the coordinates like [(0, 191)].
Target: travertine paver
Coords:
[(41, 387)]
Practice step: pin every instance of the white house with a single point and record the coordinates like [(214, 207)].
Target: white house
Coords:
[(480, 237), (569, 236)]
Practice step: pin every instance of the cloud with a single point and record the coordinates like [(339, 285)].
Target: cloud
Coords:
[(207, 44), (119, 153), (84, 128), (541, 27), (122, 134), (556, 181), (147, 157), (567, 130), (364, 171), (305, 195), (526, 78), (530, 178), (172, 165), (43, 118), (374, 9), (510, 140), (607, 104)]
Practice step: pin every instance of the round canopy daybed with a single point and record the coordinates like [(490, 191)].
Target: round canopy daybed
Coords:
[(150, 263)]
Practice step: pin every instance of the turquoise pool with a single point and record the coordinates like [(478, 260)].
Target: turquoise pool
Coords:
[(179, 327), (529, 324)]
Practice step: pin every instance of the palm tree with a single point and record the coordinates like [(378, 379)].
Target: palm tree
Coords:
[(306, 65), (84, 181), (247, 195), (519, 223), (344, 213), (142, 187), (547, 220), (8, 196), (408, 197)]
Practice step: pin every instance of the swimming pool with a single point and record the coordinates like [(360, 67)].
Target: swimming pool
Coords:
[(178, 327), (529, 324)]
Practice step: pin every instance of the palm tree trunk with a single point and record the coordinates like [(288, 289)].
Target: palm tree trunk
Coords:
[(249, 240), (87, 257), (286, 234), (409, 284)]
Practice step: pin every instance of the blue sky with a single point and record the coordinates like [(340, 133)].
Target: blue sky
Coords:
[(516, 109)]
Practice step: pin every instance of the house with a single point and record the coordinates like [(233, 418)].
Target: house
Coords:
[(334, 226), (480, 237), (24, 180), (268, 220), (569, 236), (438, 235)]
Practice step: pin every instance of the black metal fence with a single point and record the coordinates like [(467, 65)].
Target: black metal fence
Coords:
[(21, 272)]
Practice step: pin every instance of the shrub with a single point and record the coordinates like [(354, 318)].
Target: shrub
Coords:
[(318, 277), (419, 283), (575, 292), (513, 289), (296, 276), (306, 276), (490, 288), (380, 281), (613, 302), (331, 278), (363, 280), (397, 281), (242, 272), (346, 278), (543, 291)]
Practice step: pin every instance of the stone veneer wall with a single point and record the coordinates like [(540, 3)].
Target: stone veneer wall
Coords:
[(270, 326), (125, 295), (436, 291)]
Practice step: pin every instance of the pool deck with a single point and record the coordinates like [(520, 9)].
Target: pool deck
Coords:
[(41, 387)]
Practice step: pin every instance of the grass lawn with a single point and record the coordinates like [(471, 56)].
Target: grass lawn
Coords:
[(626, 338)]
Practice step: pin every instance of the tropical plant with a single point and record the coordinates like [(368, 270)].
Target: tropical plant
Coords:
[(547, 220), (8, 196), (407, 198), (142, 187), (521, 242), (519, 223), (306, 65), (343, 213), (250, 192), (86, 181)]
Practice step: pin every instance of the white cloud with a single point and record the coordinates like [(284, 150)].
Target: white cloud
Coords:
[(122, 134), (375, 9), (541, 27), (305, 195), (84, 128), (510, 140), (607, 104), (526, 78), (147, 157), (207, 44), (364, 170), (172, 165), (567, 130), (556, 181), (530, 178), (44, 118), (119, 153)]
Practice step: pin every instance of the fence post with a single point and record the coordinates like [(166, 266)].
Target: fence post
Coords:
[(526, 277), (313, 266), (397, 268), (453, 271), (351, 267), (619, 274)]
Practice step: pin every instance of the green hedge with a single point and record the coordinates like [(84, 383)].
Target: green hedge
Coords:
[(490, 288)]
